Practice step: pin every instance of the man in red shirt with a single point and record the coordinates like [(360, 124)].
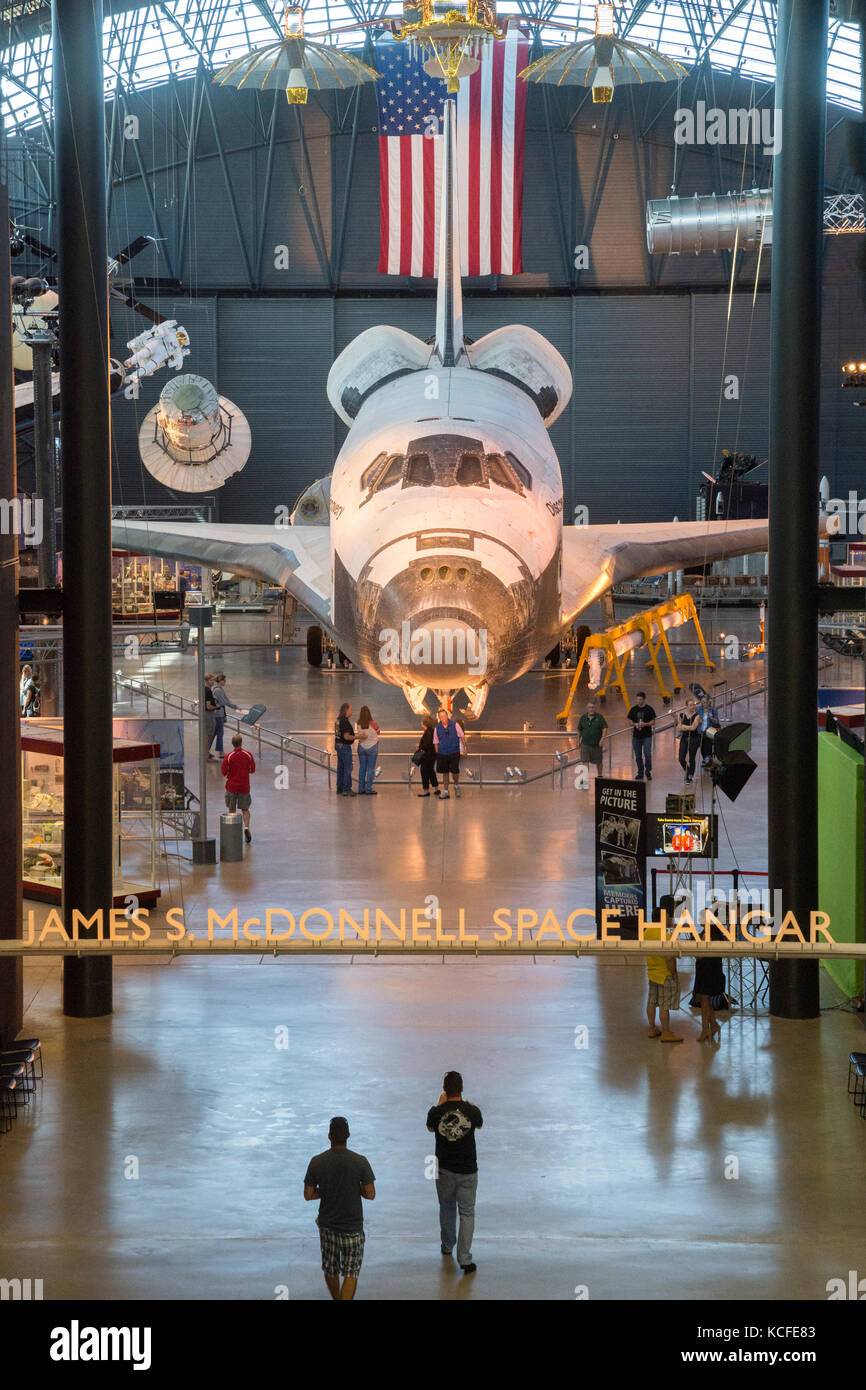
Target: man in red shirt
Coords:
[(236, 768)]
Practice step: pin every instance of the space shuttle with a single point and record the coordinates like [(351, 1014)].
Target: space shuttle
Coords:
[(435, 554)]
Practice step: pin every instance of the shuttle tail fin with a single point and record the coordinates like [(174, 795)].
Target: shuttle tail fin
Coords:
[(449, 295)]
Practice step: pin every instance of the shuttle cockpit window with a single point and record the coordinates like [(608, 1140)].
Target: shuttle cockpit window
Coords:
[(391, 473), (522, 472), (419, 471), (501, 472), (445, 461), (470, 472), (369, 475)]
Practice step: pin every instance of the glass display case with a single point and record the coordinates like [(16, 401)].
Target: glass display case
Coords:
[(134, 820), (146, 586)]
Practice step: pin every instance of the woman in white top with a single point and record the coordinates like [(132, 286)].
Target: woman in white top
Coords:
[(367, 732)]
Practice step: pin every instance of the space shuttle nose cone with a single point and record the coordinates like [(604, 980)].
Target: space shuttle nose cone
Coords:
[(443, 651)]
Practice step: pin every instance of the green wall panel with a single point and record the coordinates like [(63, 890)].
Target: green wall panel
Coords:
[(840, 853)]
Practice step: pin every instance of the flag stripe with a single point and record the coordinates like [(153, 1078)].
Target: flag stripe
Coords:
[(497, 209), (475, 200), (518, 127), (429, 198), (384, 208), (408, 203)]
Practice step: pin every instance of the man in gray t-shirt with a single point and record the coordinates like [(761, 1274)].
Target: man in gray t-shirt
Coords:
[(339, 1179)]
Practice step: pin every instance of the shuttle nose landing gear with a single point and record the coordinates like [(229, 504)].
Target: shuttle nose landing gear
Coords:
[(477, 699), (417, 697)]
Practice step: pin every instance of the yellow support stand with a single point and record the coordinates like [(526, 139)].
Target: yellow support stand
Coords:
[(650, 625)]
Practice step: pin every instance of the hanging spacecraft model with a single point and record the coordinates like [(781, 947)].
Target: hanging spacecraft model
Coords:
[(193, 439)]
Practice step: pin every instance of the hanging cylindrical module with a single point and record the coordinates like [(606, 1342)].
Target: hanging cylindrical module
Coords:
[(193, 439), (709, 222)]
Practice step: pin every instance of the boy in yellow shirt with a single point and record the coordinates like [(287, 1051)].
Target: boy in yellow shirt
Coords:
[(664, 985)]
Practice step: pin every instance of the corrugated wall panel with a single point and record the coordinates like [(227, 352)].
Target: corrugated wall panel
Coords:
[(630, 408), (274, 356), (297, 217), (737, 348)]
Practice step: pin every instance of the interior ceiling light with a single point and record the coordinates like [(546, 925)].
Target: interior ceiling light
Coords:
[(602, 61), (193, 439), (296, 64)]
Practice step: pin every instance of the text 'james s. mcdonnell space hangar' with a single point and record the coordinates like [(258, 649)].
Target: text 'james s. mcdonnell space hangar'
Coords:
[(453, 402)]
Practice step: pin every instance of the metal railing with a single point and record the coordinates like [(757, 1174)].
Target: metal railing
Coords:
[(288, 745), (478, 768)]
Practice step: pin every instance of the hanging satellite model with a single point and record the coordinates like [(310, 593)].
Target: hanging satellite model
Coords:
[(296, 63), (30, 320), (602, 62), (454, 35), (193, 439)]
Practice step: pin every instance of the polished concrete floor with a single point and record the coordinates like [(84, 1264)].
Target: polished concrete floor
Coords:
[(165, 1155)]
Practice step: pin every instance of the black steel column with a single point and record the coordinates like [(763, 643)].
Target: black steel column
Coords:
[(11, 1003), (41, 345), (79, 123), (795, 398)]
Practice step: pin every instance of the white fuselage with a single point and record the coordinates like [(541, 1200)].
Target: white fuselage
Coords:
[(446, 518)]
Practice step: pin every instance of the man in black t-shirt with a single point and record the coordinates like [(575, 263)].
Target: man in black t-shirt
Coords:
[(454, 1121), (338, 1179), (643, 718), (344, 737)]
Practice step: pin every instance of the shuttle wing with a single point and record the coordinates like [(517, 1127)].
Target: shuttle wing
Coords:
[(297, 559), (594, 558)]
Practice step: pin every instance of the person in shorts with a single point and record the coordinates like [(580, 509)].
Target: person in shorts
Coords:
[(664, 985), (236, 769), (338, 1179), (591, 728), (449, 742)]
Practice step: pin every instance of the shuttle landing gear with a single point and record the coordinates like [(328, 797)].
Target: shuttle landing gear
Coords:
[(322, 650), (477, 699), (314, 646), (417, 697)]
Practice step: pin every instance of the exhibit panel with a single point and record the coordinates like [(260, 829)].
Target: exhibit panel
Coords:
[(136, 815)]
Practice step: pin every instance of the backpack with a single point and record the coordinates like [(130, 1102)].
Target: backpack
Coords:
[(33, 708)]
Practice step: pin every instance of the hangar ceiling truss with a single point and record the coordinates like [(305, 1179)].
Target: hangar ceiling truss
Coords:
[(145, 44)]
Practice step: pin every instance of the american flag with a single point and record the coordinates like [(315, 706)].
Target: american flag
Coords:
[(491, 121)]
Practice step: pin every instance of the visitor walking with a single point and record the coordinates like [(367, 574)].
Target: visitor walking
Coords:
[(591, 727), (236, 768), (338, 1179), (643, 718), (454, 1121)]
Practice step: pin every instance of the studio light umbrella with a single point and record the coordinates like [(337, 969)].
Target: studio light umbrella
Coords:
[(602, 61), (296, 64)]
